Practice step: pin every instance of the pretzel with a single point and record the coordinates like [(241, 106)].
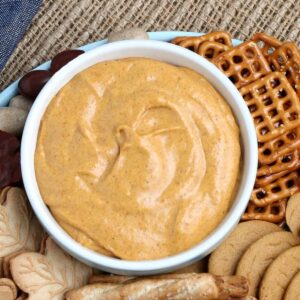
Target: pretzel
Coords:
[(210, 50), (273, 104), (179, 39), (172, 286), (193, 43), (281, 188), (281, 166), (274, 212), (266, 43), (287, 59), (270, 151), (243, 64)]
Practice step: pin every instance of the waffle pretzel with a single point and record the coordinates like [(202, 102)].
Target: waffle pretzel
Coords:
[(287, 59), (274, 212), (266, 43), (281, 188), (273, 104), (243, 64), (270, 151), (210, 50), (193, 43), (281, 166)]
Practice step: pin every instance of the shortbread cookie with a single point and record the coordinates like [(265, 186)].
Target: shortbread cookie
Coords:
[(54, 273), (279, 274), (8, 290), (293, 290), (226, 257), (19, 227), (293, 214), (260, 255)]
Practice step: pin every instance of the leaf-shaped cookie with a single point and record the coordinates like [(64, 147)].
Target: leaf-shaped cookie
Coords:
[(14, 221), (8, 290), (50, 275), (19, 228), (1, 267), (6, 263), (35, 235)]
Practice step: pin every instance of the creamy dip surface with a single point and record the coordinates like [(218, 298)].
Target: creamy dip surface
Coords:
[(138, 159)]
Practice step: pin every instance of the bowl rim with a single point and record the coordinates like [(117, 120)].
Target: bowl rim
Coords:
[(142, 267)]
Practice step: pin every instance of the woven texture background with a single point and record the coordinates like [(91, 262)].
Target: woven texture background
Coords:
[(62, 24)]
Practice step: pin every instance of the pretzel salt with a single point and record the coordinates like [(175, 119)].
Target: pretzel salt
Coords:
[(273, 104)]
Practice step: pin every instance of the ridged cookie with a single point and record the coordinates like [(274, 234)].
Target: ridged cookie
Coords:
[(293, 214), (225, 258), (260, 255), (279, 274), (293, 290)]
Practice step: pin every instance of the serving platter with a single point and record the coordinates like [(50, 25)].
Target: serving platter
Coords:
[(12, 90), (234, 257)]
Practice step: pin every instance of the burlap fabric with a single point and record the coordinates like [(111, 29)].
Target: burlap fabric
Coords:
[(62, 24)]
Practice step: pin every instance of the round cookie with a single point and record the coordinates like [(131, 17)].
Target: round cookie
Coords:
[(293, 290), (260, 255), (279, 274), (224, 259), (293, 214)]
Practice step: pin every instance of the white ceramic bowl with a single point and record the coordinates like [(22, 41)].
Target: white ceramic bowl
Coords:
[(174, 55)]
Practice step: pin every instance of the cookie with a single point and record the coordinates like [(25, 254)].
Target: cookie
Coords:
[(19, 227), (293, 290), (293, 214), (1, 267), (54, 273), (277, 277), (260, 255), (8, 290), (226, 257), (6, 263)]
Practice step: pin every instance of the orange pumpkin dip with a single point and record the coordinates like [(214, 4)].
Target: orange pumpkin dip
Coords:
[(138, 159)]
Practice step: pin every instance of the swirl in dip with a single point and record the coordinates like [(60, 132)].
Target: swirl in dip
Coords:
[(138, 159)]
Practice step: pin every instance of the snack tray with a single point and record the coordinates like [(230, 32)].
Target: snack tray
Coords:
[(12, 90)]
